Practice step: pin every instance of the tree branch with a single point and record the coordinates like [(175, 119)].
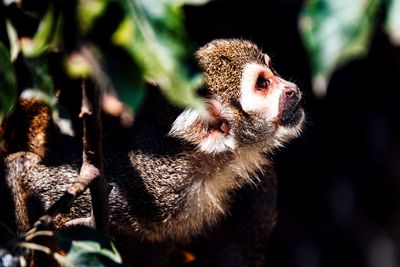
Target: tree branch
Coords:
[(91, 172), (92, 163)]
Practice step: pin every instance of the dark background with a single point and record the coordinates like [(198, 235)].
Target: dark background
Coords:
[(339, 184)]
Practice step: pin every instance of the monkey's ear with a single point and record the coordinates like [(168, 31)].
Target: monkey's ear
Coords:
[(210, 133)]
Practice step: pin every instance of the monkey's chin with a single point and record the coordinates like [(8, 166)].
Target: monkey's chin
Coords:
[(292, 126), (294, 119)]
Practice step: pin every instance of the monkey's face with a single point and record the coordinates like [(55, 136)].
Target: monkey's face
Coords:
[(248, 102), (271, 106)]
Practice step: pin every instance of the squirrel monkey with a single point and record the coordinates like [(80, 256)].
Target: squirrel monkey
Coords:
[(189, 179)]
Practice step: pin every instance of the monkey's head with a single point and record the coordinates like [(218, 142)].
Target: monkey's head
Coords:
[(249, 104)]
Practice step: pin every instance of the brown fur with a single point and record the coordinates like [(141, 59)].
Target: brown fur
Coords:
[(169, 186), (28, 128), (222, 62)]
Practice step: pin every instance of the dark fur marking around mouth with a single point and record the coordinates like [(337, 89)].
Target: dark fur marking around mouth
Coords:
[(293, 119), (290, 112)]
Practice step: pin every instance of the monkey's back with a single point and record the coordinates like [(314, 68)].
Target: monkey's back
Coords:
[(148, 184)]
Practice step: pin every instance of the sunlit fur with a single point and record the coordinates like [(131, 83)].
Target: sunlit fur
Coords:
[(174, 185), (192, 127), (234, 158)]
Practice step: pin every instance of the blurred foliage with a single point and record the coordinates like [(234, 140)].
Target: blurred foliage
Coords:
[(120, 44), (338, 31), (392, 23), (152, 33), (47, 35), (41, 80), (75, 246), (7, 81)]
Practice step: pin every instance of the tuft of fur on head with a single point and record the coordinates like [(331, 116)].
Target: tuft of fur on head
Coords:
[(222, 62)]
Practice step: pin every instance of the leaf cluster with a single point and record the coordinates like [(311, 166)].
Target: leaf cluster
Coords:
[(121, 45), (338, 31)]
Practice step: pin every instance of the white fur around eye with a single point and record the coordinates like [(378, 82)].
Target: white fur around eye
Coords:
[(267, 104)]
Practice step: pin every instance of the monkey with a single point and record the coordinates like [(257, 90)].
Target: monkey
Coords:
[(28, 128), (192, 179)]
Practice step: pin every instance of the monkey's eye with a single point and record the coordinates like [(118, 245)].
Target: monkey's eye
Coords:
[(262, 83)]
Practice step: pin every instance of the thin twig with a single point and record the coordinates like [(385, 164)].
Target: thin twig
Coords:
[(33, 246), (91, 172), (31, 236)]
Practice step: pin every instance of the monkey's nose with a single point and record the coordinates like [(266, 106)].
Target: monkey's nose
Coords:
[(292, 93), (289, 105)]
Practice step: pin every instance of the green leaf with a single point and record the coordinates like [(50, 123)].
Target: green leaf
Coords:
[(335, 32), (77, 66), (15, 46), (7, 82), (47, 36), (392, 23), (88, 11), (42, 79), (125, 76), (153, 34), (87, 259), (86, 247)]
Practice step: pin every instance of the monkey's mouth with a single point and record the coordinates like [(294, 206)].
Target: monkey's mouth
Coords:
[(291, 114)]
